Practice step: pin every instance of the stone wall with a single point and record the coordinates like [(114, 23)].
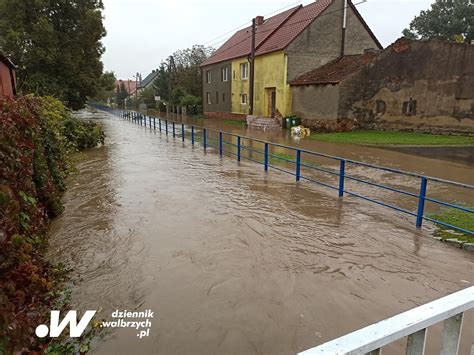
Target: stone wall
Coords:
[(413, 85)]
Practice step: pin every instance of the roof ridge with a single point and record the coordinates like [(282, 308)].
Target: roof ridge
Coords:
[(295, 9)]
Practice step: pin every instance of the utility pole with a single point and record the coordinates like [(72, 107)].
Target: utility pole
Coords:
[(252, 68)]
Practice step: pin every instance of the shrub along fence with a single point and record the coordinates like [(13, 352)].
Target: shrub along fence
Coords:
[(37, 137)]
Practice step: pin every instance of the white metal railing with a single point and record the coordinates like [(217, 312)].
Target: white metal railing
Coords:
[(412, 323)]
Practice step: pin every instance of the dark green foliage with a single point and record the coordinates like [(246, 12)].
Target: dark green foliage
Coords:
[(448, 20), (37, 137), (56, 46), (121, 95)]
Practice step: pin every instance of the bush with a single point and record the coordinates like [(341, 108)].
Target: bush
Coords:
[(37, 137)]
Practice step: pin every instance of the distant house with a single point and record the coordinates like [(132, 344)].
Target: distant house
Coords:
[(130, 86), (7, 77), (287, 45), (415, 85), (148, 81)]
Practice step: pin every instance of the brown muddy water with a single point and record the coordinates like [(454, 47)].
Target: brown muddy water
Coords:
[(236, 261)]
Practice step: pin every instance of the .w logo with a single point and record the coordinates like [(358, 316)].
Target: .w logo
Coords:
[(56, 328)]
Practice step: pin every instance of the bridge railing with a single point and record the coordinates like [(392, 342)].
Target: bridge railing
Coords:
[(412, 324), (307, 165)]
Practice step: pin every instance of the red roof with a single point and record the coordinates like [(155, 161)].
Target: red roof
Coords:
[(130, 85), (276, 33), (336, 70)]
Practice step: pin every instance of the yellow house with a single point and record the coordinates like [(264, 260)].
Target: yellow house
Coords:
[(272, 93), (287, 45)]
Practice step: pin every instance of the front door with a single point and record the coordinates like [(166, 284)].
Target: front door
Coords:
[(271, 102)]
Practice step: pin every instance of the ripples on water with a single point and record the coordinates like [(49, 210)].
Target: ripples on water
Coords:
[(232, 260)]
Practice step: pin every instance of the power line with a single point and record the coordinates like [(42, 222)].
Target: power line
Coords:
[(294, 23), (214, 40)]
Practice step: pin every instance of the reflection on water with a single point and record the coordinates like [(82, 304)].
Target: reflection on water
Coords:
[(235, 261)]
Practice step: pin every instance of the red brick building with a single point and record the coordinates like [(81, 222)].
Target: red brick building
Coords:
[(7, 77)]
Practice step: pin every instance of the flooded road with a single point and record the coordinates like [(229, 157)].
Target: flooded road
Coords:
[(233, 260)]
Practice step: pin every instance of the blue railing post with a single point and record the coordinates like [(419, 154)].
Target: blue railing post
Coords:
[(144, 120), (238, 148), (159, 123), (174, 129), (154, 123), (220, 143), (182, 132), (298, 165), (204, 138), (166, 126), (421, 202), (192, 135), (342, 168), (265, 160)]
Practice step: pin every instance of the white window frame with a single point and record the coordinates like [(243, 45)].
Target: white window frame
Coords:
[(208, 76), (242, 101), (225, 74), (244, 71), (208, 95)]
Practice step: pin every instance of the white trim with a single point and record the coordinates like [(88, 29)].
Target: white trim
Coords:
[(389, 330)]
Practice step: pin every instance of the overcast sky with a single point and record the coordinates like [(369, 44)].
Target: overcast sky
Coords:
[(141, 33)]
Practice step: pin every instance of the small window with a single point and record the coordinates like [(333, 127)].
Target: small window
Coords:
[(208, 95), (225, 74), (233, 74), (223, 97), (243, 99), (208, 76), (244, 71), (217, 97)]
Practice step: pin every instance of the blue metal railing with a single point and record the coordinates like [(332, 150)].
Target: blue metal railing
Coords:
[(215, 139)]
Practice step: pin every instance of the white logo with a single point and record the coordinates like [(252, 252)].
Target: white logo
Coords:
[(55, 329)]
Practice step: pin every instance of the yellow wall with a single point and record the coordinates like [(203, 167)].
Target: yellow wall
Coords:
[(270, 72)]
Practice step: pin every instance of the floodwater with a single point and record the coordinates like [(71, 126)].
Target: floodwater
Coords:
[(235, 261)]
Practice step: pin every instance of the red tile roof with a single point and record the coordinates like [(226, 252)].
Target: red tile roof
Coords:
[(276, 33), (336, 70), (130, 85)]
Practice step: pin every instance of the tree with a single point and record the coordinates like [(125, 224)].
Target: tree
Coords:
[(106, 87), (56, 46), (161, 82), (121, 94), (448, 20), (147, 96)]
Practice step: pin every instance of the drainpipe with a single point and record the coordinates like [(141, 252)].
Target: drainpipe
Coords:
[(252, 68), (344, 20)]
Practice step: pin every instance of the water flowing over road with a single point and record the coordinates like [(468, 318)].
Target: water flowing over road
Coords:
[(233, 260)]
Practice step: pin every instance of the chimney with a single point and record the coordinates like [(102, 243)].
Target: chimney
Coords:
[(259, 20)]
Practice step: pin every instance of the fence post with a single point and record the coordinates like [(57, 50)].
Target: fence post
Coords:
[(298, 165), (166, 126), (204, 138), (144, 119), (192, 135), (238, 148), (342, 169), (220, 143), (182, 132), (149, 121), (159, 123), (421, 202), (265, 160), (174, 129), (154, 123)]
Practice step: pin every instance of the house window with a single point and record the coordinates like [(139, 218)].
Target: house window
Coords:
[(244, 71), (225, 74), (233, 74), (217, 97), (208, 76), (243, 99), (208, 95), (223, 97)]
